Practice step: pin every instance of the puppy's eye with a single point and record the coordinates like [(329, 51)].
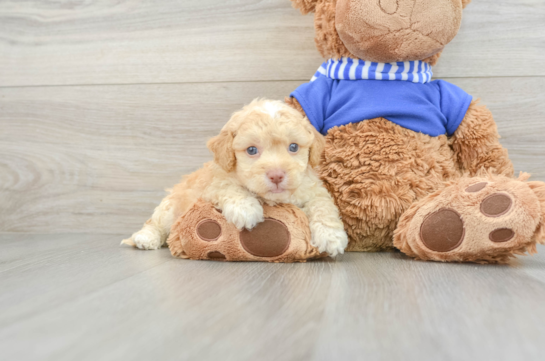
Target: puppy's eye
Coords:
[(294, 147), (251, 150)]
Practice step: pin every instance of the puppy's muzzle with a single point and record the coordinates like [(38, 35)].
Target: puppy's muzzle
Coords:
[(276, 176)]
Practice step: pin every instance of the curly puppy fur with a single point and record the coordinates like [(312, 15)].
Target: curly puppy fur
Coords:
[(238, 183)]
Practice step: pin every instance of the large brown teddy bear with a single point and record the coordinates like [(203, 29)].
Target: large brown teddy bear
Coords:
[(412, 163)]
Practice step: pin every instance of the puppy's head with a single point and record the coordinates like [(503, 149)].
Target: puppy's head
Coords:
[(268, 146)]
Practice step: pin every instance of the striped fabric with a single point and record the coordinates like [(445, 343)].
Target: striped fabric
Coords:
[(356, 69)]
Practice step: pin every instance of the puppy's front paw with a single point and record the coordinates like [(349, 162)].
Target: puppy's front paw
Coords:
[(145, 239), (327, 239), (244, 213)]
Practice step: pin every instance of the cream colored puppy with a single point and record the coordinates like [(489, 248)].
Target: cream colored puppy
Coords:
[(264, 154)]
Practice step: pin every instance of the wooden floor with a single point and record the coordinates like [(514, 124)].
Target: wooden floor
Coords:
[(103, 104), (82, 297)]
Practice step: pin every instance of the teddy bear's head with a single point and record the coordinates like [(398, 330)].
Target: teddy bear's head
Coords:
[(384, 30)]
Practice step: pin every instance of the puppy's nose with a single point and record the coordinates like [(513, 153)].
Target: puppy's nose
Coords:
[(276, 176)]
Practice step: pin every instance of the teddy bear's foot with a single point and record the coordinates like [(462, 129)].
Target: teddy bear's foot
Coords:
[(203, 233), (486, 219)]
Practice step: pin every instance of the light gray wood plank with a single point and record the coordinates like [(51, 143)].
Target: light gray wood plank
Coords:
[(396, 308), (108, 302), (112, 42), (175, 310), (41, 272), (97, 158)]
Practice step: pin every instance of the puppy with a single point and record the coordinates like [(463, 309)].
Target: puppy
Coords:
[(264, 154)]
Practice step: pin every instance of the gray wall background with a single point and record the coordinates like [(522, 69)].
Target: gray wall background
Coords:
[(103, 104)]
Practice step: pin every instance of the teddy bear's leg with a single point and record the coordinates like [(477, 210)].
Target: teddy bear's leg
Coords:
[(476, 144), (484, 219), (203, 233)]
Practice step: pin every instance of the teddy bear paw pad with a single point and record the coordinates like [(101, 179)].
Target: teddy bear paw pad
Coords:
[(443, 230), (271, 238)]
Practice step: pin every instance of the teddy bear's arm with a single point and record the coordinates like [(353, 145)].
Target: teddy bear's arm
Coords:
[(476, 143)]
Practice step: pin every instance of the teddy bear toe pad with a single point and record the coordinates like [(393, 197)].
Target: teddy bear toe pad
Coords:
[(475, 220), (476, 187), (502, 235), (215, 255), (209, 230), (496, 205), (204, 234)]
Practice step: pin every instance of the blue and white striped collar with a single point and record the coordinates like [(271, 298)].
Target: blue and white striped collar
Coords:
[(356, 69)]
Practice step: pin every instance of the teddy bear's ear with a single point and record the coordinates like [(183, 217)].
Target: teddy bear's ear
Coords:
[(306, 6), (465, 3)]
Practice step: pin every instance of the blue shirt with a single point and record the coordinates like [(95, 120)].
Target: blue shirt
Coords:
[(433, 108)]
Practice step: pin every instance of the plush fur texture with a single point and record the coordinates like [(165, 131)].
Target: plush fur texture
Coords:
[(184, 241), (329, 43), (525, 218), (387, 180), (397, 30), (376, 170), (476, 143), (239, 183)]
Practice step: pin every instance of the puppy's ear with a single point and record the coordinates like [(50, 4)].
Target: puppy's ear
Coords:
[(305, 6), (316, 149), (222, 147), (465, 3)]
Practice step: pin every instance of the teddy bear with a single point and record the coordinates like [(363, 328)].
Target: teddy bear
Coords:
[(412, 163)]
